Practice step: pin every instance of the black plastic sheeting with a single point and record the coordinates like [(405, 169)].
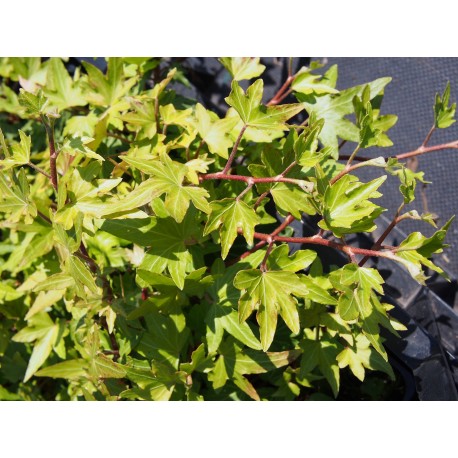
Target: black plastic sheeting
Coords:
[(410, 96)]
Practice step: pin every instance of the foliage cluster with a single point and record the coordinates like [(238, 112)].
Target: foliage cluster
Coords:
[(146, 244)]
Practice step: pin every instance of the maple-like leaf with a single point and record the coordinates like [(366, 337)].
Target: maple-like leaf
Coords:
[(444, 115), (415, 250), (363, 356), (347, 208), (257, 117), (243, 68), (334, 108), (214, 131), (322, 354), (168, 179), (231, 215), (309, 83), (289, 197), (61, 90), (270, 293), (169, 240)]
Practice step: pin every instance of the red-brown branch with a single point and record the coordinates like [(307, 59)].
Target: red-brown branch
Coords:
[(277, 97), (234, 151), (317, 240), (286, 222), (248, 179)]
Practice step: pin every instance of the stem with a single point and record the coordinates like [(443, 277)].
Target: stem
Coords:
[(345, 157), (38, 169), (350, 254), (248, 179), (290, 67), (345, 171), (275, 99), (288, 169), (350, 159), (286, 222), (418, 152), (119, 137), (262, 267), (428, 149), (85, 255), (234, 151), (377, 245), (264, 194), (317, 240), (43, 216), (260, 198), (52, 152), (249, 186), (196, 154), (283, 96), (156, 113), (428, 137)]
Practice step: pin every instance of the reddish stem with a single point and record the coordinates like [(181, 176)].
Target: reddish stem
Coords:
[(275, 99), (377, 245), (234, 151), (317, 240), (286, 222), (248, 179)]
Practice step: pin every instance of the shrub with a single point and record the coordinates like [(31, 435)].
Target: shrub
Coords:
[(147, 248)]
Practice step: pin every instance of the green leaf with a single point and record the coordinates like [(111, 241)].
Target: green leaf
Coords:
[(363, 356), (270, 293), (230, 216), (21, 152), (357, 284), (60, 89), (199, 361), (81, 273), (305, 147), (44, 300), (289, 198), (169, 241), (104, 367), (221, 315), (106, 90), (215, 132), (372, 128), (315, 292), (255, 115), (34, 104), (347, 208), (133, 230), (41, 350), (333, 109), (407, 177), (15, 198), (71, 369), (444, 115), (415, 250), (322, 353), (168, 178), (165, 339), (279, 259), (308, 83), (55, 282), (352, 304), (243, 68)]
